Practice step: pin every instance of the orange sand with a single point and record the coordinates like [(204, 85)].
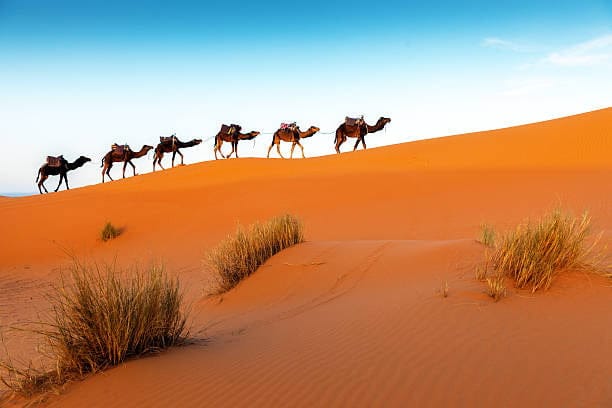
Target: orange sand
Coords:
[(353, 316)]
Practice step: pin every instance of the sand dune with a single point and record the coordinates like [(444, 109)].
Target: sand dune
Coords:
[(353, 316)]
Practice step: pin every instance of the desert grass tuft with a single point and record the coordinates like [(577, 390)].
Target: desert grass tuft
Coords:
[(100, 317), (247, 249), (444, 289), (496, 287), (535, 252), (487, 235), (109, 232)]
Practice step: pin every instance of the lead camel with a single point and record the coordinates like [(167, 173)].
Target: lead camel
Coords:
[(359, 131)]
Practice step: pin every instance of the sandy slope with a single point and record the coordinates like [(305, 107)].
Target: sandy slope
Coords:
[(354, 315)]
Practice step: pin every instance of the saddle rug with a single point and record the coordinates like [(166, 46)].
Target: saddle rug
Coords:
[(290, 126), (53, 161), (228, 130), (354, 121), (167, 139), (120, 149)]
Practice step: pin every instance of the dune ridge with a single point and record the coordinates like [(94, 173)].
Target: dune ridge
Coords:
[(354, 315)]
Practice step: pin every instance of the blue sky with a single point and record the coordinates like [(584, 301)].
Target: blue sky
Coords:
[(76, 76)]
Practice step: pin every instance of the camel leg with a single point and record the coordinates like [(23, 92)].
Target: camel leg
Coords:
[(173, 156), (236, 149), (301, 147), (232, 152), (62, 176), (40, 183), (279, 150), (292, 147), (357, 143), (363, 143), (180, 154), (339, 143), (133, 167), (270, 148), (218, 146), (131, 164), (107, 170)]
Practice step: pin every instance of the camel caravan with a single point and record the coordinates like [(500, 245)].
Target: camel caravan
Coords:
[(288, 132)]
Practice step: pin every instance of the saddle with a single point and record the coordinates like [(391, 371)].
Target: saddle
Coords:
[(53, 161), (288, 126), (354, 121), (120, 149), (231, 129), (168, 139)]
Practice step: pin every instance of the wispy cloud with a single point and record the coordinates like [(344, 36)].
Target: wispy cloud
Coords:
[(594, 52), (522, 87), (501, 44)]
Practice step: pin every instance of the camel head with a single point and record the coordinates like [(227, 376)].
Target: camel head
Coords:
[(197, 141), (314, 129), (147, 148), (384, 120), (248, 136), (78, 163)]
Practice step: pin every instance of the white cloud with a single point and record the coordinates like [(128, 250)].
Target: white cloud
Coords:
[(527, 86), (591, 53), (501, 44)]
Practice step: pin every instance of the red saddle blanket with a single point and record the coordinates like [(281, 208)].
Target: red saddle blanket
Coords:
[(285, 126), (120, 149), (53, 161), (354, 121)]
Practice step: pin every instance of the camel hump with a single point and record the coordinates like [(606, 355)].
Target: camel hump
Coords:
[(354, 121), (55, 161)]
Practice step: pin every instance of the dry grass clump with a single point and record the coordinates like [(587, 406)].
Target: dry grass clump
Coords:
[(535, 252), (99, 318), (242, 253), (109, 232), (496, 287), (487, 235)]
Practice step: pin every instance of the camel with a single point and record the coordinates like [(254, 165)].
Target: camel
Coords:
[(293, 136), (358, 131), (45, 171), (232, 137), (125, 155), (172, 145)]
